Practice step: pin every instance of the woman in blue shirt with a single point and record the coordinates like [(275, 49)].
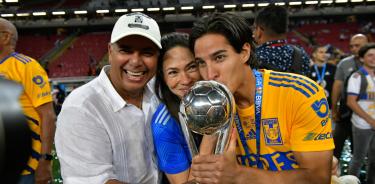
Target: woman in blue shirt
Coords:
[(176, 72)]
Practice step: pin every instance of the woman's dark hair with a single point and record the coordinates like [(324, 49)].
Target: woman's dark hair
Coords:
[(233, 27), (169, 41)]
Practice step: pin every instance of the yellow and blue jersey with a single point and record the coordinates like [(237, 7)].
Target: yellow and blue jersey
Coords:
[(28, 72), (294, 117)]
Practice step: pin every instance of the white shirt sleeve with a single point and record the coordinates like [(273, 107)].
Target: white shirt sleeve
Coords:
[(354, 84), (83, 147)]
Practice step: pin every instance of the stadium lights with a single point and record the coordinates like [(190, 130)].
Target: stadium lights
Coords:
[(229, 6), (137, 10), (326, 2), (356, 1), (11, 1), (280, 4), (39, 13), (208, 7), (341, 1), (102, 11), (121, 10), (58, 13), (80, 12), (7, 15), (295, 3), (153, 9), (187, 8), (247, 5), (23, 14), (168, 9), (370, 0), (311, 2), (263, 4)]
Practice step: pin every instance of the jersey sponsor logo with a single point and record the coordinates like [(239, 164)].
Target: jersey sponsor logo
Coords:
[(38, 80), (41, 95), (271, 131), (321, 107), (317, 136), (277, 161)]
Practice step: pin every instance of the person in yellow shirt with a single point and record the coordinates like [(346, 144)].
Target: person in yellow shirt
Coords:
[(283, 129), (36, 102)]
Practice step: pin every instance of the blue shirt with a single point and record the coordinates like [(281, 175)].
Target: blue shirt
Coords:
[(279, 54), (171, 149)]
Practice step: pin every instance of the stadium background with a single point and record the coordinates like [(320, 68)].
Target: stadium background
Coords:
[(69, 37)]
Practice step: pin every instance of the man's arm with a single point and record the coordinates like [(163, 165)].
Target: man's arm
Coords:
[(47, 115), (314, 167), (335, 96), (353, 104)]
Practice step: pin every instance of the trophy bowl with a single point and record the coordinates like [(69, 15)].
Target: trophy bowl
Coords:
[(207, 107)]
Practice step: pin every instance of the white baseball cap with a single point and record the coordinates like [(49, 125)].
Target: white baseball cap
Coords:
[(136, 24)]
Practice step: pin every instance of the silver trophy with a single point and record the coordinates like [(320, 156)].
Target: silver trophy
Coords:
[(207, 109)]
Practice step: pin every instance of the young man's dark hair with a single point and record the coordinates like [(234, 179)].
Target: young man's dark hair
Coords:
[(363, 50), (235, 28), (273, 19)]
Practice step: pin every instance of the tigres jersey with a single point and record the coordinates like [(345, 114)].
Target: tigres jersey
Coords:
[(28, 72), (294, 117)]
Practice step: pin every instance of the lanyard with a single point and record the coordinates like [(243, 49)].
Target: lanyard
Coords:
[(322, 75), (258, 111)]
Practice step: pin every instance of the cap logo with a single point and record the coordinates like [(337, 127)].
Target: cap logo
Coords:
[(138, 20)]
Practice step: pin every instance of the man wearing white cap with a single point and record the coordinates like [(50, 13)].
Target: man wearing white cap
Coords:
[(103, 132)]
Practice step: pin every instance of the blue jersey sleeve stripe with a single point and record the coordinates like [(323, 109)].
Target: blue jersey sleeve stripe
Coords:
[(290, 86), (293, 81), (160, 112), (164, 115), (295, 77), (35, 136), (20, 58), (35, 154), (23, 57), (166, 120), (32, 120)]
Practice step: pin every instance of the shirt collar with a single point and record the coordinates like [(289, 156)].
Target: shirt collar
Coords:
[(274, 42), (116, 101)]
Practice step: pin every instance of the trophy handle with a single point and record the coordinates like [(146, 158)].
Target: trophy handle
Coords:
[(223, 138), (188, 136)]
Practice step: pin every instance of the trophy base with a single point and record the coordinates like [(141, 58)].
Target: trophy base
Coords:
[(191, 182)]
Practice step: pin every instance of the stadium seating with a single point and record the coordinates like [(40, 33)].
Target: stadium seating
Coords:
[(84, 53), (27, 44)]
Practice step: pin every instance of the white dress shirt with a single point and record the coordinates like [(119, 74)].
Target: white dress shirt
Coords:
[(99, 136)]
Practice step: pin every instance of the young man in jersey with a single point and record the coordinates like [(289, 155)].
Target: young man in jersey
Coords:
[(103, 131), (36, 102), (361, 101), (321, 71), (283, 130), (341, 117)]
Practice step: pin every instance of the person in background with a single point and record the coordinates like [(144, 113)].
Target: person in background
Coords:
[(273, 52), (176, 73), (321, 71), (362, 102), (341, 114), (36, 102), (276, 141), (103, 131)]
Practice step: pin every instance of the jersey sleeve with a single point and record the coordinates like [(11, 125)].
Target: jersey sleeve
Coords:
[(171, 149), (36, 84), (354, 84), (311, 129)]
